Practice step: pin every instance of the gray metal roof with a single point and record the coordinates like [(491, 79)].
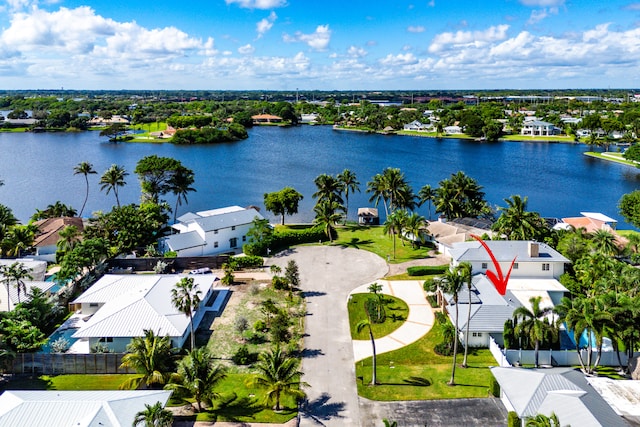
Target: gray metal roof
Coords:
[(180, 241), (564, 391), (505, 251), (226, 220), (109, 408)]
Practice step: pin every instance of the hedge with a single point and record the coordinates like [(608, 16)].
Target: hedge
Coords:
[(249, 261), (426, 270), (280, 240), (513, 420)]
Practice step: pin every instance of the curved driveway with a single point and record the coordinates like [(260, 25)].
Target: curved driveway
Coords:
[(328, 274)]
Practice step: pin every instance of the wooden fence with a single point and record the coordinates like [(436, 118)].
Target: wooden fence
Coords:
[(68, 363), (178, 264)]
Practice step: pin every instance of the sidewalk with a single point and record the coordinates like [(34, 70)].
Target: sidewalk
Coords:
[(419, 321)]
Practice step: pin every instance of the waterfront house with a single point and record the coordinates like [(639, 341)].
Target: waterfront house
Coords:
[(118, 308), (95, 408), (416, 125), (212, 232), (48, 235), (260, 119), (561, 391), (539, 128), (368, 216)]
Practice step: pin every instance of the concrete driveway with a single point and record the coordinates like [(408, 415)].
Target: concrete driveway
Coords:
[(327, 275)]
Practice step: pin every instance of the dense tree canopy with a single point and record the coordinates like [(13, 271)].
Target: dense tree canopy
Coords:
[(283, 202)]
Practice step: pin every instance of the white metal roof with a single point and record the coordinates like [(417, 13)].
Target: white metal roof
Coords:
[(113, 408), (598, 216), (135, 303)]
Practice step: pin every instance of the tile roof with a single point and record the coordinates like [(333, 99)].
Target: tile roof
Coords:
[(49, 229)]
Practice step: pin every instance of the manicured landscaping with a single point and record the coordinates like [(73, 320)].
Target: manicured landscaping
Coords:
[(611, 157), (373, 239), (404, 374), (396, 313), (69, 382)]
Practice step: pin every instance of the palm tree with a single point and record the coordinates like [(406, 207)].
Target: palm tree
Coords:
[(153, 416), (18, 238), (7, 220), (327, 216), (377, 189), (112, 179), (84, 168), (152, 357), (198, 375), (394, 225), (69, 236), (185, 296), (534, 324), (516, 223), (604, 242), (366, 323), (459, 196), (451, 283), (415, 225), (15, 273), (349, 184), (426, 194), (180, 184), (279, 375), (466, 273), (541, 420), (329, 189)]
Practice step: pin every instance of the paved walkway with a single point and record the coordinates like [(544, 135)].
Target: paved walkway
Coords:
[(419, 321)]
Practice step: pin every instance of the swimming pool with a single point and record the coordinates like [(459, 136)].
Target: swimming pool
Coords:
[(59, 333)]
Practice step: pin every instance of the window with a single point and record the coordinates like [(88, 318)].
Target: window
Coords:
[(484, 265), (244, 238), (215, 231), (515, 265), (233, 242), (106, 339), (545, 266), (233, 227), (476, 334), (93, 304), (215, 244)]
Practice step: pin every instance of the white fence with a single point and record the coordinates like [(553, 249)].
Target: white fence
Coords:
[(562, 357), (498, 353)]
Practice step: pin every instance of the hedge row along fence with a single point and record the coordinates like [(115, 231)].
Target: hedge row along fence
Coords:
[(427, 270), (280, 240)]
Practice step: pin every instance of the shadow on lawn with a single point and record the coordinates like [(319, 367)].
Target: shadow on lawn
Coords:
[(25, 382), (308, 294), (232, 408), (355, 243)]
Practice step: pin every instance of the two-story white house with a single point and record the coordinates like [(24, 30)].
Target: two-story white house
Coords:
[(535, 273), (216, 231)]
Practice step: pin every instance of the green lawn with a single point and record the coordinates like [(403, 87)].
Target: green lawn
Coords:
[(524, 138), (396, 313), (374, 240), (69, 382), (240, 403), (626, 233), (404, 373), (611, 157)]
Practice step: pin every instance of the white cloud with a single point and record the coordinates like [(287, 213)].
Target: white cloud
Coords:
[(399, 59), (537, 16), (265, 24), (542, 3), (416, 29), (444, 41), (356, 52), (318, 40), (246, 49), (258, 4)]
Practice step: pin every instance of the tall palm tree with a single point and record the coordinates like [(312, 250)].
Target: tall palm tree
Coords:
[(198, 374), (112, 179), (451, 283), (329, 189), (350, 184), (604, 242), (18, 238), (153, 416), (415, 225), (15, 273), (459, 196), (69, 237), (366, 323), (466, 273), (152, 357), (534, 323), (395, 225), (84, 168), (7, 220), (185, 296), (279, 375), (426, 194), (377, 189), (516, 223), (180, 184), (327, 216)]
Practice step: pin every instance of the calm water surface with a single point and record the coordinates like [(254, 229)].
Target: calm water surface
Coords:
[(559, 180)]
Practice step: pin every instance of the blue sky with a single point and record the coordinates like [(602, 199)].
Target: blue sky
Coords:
[(319, 45)]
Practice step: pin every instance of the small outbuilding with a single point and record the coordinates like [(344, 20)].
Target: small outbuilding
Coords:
[(368, 216)]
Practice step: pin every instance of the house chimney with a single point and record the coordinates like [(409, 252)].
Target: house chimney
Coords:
[(533, 249)]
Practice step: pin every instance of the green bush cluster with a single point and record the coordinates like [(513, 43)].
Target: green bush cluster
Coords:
[(249, 261), (243, 356), (513, 420), (280, 240), (209, 135), (425, 270), (494, 387)]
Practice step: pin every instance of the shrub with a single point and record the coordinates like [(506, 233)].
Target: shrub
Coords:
[(494, 387), (241, 324), (60, 345), (243, 356), (171, 254), (280, 328), (513, 420), (100, 348), (255, 337), (430, 285), (280, 283), (425, 270), (249, 261), (432, 300), (260, 326), (282, 239)]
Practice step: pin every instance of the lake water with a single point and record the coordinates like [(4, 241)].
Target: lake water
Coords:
[(559, 180)]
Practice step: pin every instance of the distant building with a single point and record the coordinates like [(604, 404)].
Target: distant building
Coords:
[(48, 234), (539, 128), (368, 216), (259, 119)]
